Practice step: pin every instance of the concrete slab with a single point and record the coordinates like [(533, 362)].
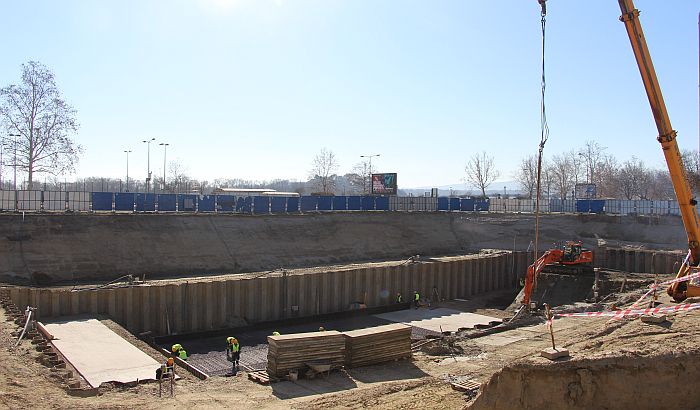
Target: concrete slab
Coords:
[(439, 320), (99, 354)]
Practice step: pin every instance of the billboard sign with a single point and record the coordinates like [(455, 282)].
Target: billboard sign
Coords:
[(585, 191), (384, 184)]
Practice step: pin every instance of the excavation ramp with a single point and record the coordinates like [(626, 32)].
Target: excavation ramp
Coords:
[(99, 354)]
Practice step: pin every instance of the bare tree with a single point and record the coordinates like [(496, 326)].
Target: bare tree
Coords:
[(561, 170), (481, 172), (691, 163), (578, 167), (605, 176), (526, 175), (36, 111), (634, 179), (322, 171), (178, 176), (592, 155), (660, 186), (359, 178)]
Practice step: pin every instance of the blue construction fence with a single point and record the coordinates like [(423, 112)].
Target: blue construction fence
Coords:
[(78, 201), (258, 205)]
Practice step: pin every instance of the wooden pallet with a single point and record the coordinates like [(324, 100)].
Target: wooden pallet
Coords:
[(260, 377), (466, 386)]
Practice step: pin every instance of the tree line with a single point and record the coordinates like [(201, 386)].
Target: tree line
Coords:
[(39, 127)]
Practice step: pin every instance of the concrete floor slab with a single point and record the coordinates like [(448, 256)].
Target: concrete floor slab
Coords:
[(99, 354), (439, 320)]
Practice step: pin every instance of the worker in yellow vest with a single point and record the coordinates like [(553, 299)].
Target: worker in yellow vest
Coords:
[(233, 352), (166, 369), (178, 350), (416, 298)]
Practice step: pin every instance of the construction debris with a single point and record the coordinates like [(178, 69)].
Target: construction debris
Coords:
[(292, 352), (377, 344)]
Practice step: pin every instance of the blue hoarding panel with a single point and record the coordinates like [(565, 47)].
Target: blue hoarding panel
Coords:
[(466, 204), (145, 202), (244, 205), (367, 203), (166, 202), (443, 204), (261, 205), (124, 201), (308, 203), (206, 203), (454, 204), (293, 204), (186, 203), (354, 203), (340, 203), (381, 203), (225, 203), (481, 204), (590, 205), (325, 203), (102, 201), (278, 204)]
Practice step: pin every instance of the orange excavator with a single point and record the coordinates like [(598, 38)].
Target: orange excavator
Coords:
[(679, 291), (573, 258)]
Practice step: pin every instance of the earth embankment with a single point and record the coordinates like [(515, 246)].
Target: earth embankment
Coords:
[(48, 248)]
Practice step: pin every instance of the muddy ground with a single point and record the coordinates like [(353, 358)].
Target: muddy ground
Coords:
[(613, 364)]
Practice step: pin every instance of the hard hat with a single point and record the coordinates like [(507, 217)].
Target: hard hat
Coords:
[(230, 339), (321, 329), (275, 333), (176, 347)]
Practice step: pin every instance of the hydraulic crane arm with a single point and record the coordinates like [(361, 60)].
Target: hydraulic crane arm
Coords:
[(667, 137), (534, 270)]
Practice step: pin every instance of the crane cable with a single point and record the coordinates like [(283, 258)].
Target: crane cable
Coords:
[(544, 134)]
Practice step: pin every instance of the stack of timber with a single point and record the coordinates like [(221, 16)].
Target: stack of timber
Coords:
[(292, 352), (377, 344)]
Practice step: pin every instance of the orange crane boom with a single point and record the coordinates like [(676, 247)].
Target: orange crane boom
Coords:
[(667, 138)]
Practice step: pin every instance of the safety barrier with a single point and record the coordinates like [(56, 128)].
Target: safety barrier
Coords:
[(77, 201)]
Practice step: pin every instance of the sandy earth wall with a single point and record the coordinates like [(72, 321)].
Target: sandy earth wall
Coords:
[(214, 303), (51, 248), (624, 382)]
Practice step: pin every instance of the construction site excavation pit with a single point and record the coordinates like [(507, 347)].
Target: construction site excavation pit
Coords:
[(465, 349)]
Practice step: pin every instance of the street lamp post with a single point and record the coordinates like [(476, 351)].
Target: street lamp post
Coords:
[(148, 166), (370, 168), (127, 169), (165, 152)]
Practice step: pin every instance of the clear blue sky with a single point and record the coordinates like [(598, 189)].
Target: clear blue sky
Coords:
[(255, 88)]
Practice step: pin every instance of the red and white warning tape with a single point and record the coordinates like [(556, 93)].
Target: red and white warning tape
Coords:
[(633, 312), (664, 284)]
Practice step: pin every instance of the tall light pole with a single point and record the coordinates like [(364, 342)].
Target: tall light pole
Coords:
[(14, 144), (148, 166), (165, 152), (127, 169), (370, 168)]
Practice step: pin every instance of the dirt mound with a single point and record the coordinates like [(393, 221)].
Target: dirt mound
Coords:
[(622, 382)]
